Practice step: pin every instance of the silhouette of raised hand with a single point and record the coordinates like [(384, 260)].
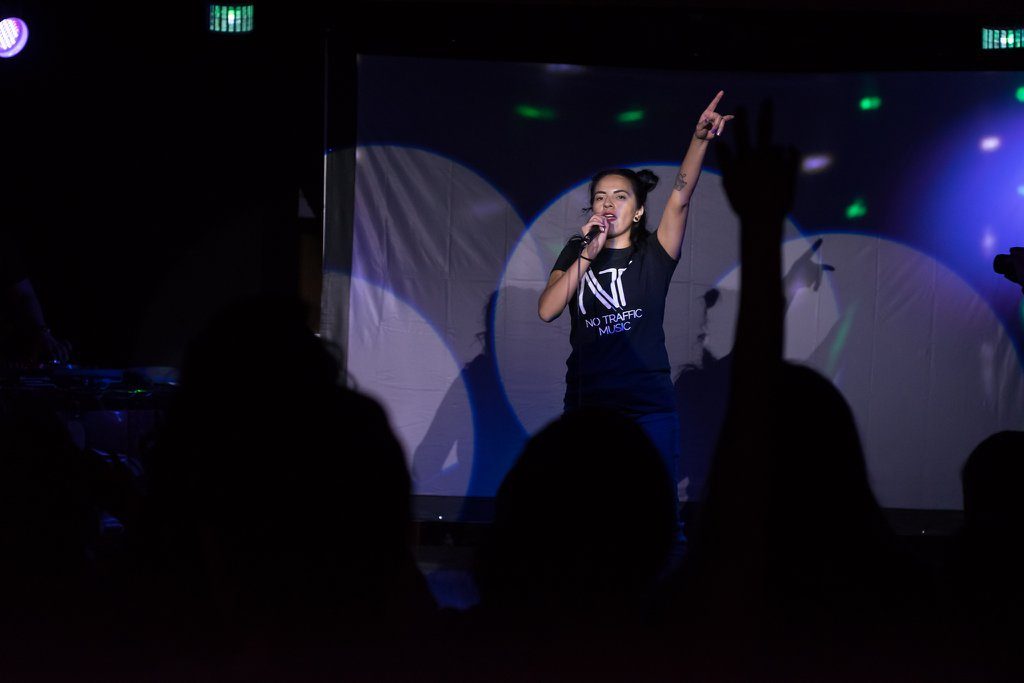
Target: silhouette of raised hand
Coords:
[(759, 178)]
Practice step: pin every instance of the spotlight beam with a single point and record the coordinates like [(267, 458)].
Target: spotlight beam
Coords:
[(13, 36)]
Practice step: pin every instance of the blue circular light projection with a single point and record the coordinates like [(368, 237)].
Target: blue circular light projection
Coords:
[(395, 352), (531, 354), (418, 337)]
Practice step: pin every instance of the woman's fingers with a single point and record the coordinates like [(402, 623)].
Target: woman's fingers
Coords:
[(711, 120), (713, 124), (597, 220), (714, 102), (720, 128)]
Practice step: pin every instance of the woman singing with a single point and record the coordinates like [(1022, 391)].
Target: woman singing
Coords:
[(616, 283)]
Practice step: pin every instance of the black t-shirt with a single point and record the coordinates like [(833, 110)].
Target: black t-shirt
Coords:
[(618, 357)]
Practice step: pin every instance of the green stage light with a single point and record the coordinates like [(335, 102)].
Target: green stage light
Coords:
[(1002, 38), (538, 113), (631, 116), (839, 342), (870, 103), (231, 17), (856, 210), (1020, 94)]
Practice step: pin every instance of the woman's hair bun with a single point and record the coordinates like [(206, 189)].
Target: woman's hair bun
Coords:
[(647, 177)]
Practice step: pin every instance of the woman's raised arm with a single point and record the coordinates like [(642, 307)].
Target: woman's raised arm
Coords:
[(673, 219)]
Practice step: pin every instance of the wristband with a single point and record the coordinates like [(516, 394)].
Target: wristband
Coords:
[(585, 258)]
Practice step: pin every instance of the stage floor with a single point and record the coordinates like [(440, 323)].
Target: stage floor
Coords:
[(449, 529)]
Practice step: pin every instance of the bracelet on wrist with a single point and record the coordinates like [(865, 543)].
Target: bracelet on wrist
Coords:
[(585, 258)]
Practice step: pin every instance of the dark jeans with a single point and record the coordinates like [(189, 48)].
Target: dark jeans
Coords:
[(663, 430)]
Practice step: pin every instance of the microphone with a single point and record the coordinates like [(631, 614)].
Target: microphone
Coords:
[(594, 232)]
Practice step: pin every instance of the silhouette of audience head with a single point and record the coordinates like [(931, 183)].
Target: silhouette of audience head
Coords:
[(828, 540), (584, 523), (819, 480), (822, 533), (985, 567), (991, 481), (253, 348), (284, 496)]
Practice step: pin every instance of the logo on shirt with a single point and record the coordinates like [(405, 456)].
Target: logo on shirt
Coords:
[(612, 323), (613, 298)]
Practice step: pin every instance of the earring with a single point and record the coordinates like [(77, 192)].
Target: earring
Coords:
[(636, 219)]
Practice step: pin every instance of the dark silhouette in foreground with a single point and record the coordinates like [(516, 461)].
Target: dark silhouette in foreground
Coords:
[(986, 564), (50, 591), (792, 569), (702, 390), (279, 518), (584, 524)]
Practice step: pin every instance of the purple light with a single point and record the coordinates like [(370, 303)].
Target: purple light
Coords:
[(816, 163), (988, 242), (13, 36), (990, 143)]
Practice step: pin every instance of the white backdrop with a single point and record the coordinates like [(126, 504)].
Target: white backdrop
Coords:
[(927, 368)]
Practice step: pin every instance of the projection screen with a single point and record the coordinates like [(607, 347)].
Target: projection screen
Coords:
[(469, 177)]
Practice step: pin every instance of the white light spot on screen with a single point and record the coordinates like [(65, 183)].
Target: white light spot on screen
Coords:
[(988, 242), (816, 163), (1020, 190), (990, 143)]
